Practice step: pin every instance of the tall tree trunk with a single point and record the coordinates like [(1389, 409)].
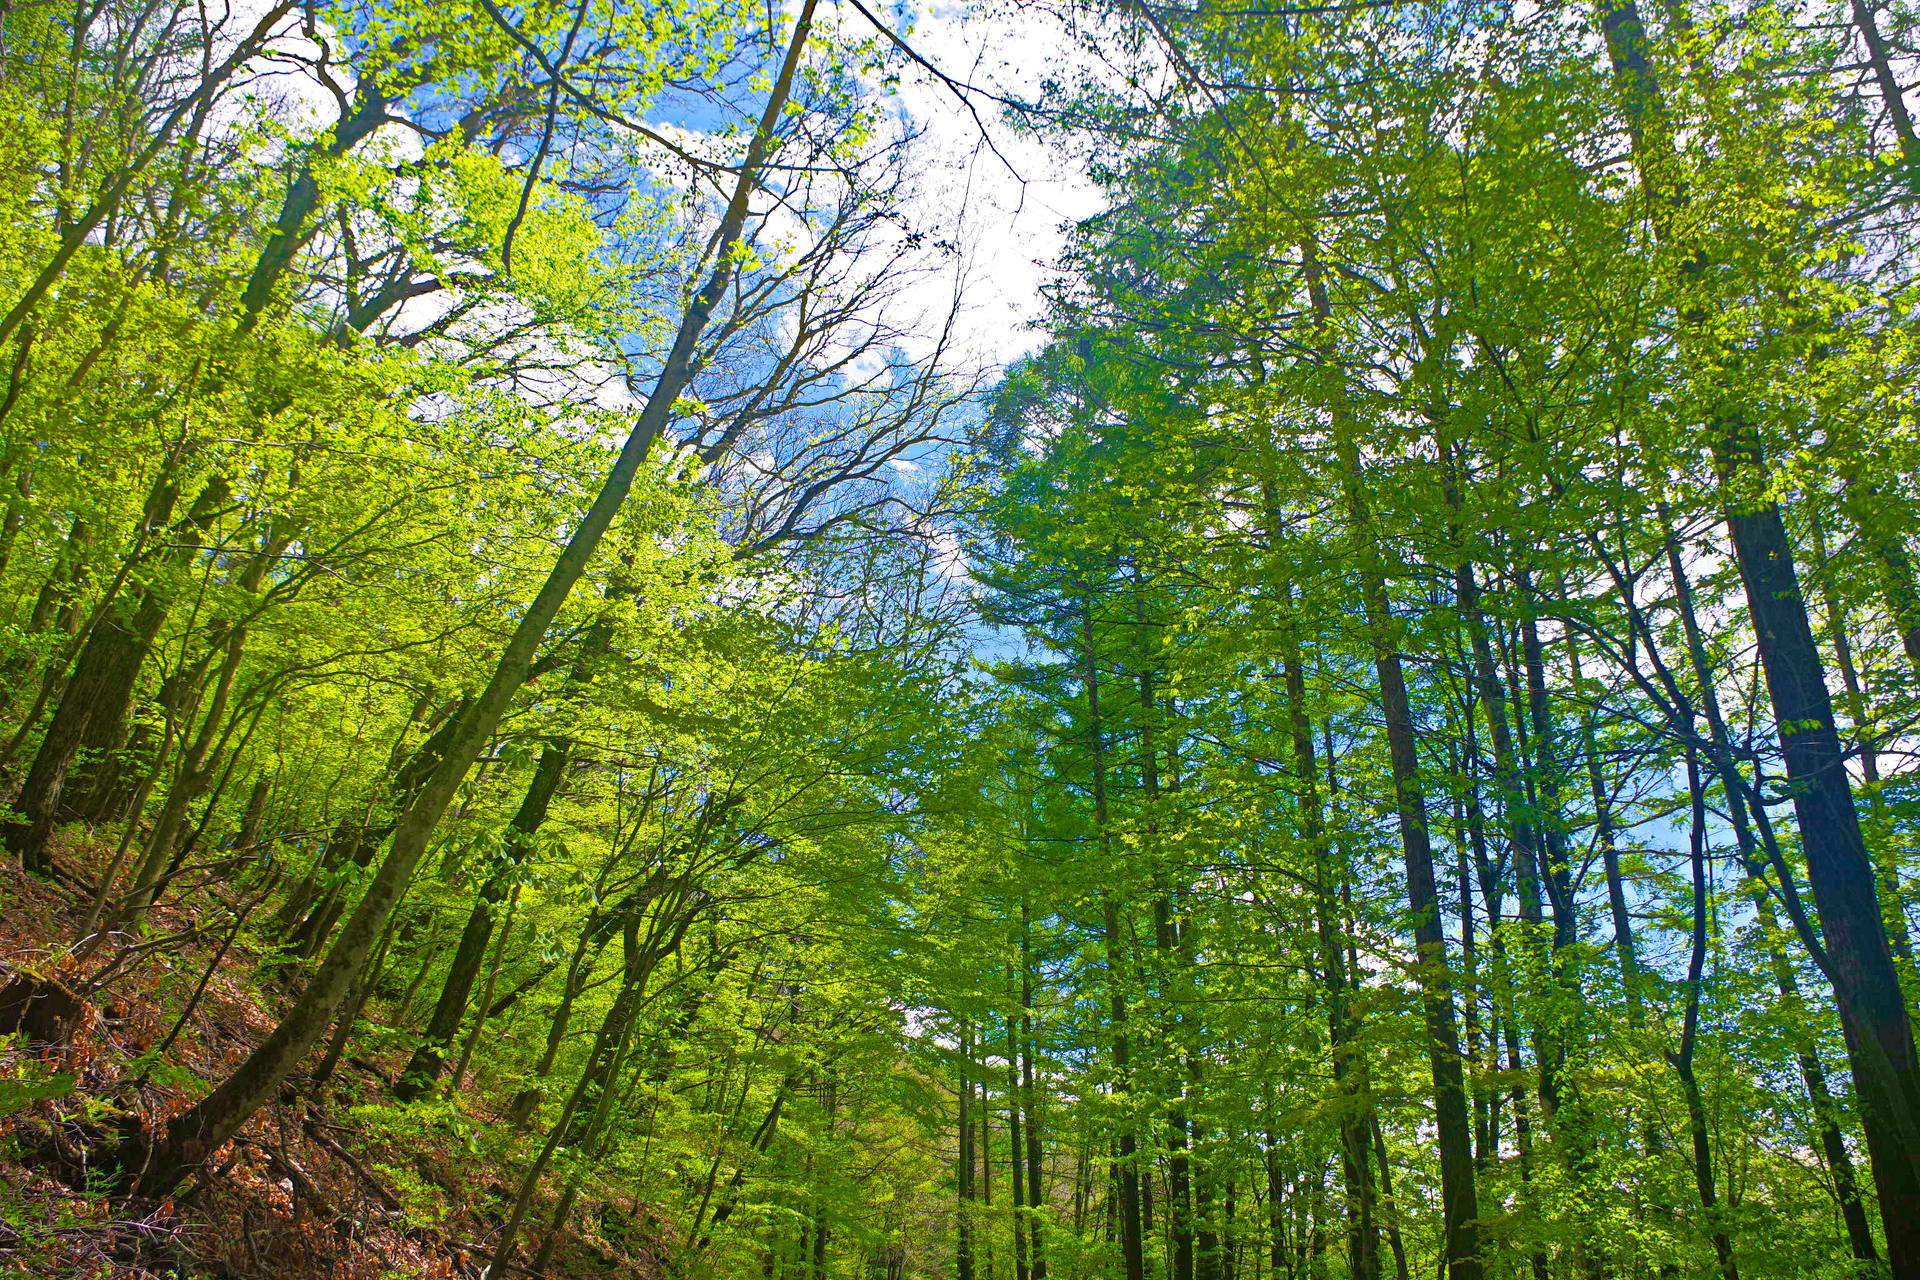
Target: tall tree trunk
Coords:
[(339, 845), (1744, 817), (762, 1139), (199, 763), (1838, 626), (580, 1119), (1174, 971), (586, 949), (486, 1009), (1891, 96), (1016, 1154), (104, 776), (1030, 1099), (1476, 866), (359, 843), (1858, 711), (1343, 1025), (1506, 768), (983, 1238), (1126, 1168), (1453, 1125), (1625, 954), (1873, 1010), (1391, 1205), (1833, 1143)]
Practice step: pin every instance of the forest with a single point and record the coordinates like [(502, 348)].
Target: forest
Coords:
[(562, 714)]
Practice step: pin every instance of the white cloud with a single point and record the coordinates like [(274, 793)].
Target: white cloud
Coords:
[(1000, 196)]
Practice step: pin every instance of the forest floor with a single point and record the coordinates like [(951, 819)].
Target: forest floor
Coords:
[(332, 1182)]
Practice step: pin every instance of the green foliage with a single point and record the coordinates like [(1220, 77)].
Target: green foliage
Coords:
[(26, 1086), (1417, 348)]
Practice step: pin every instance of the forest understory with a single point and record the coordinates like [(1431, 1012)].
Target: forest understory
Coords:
[(305, 1189)]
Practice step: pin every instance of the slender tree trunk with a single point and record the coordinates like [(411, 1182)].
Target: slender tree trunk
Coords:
[(359, 843), (1030, 1101), (577, 1120), (1897, 580), (963, 1210), (350, 1013), (1174, 970), (983, 1238), (1206, 1242), (583, 1137), (199, 764), (1625, 954), (1277, 1259), (1391, 1205), (1486, 1100), (485, 1010), (1837, 627), (761, 1140), (579, 966), (193, 774), (822, 1229), (1549, 825), (1833, 1144), (1506, 769), (1016, 1154), (429, 952), (1682, 1057)]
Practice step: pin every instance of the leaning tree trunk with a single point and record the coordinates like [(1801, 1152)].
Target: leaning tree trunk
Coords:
[(579, 970), (96, 722), (299, 901), (91, 714), (359, 843), (1751, 830), (1873, 1011), (449, 1011), (670, 912), (200, 761), (211, 1123)]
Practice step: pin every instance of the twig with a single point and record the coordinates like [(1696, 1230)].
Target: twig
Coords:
[(193, 1001), (246, 1234), (340, 1153)]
